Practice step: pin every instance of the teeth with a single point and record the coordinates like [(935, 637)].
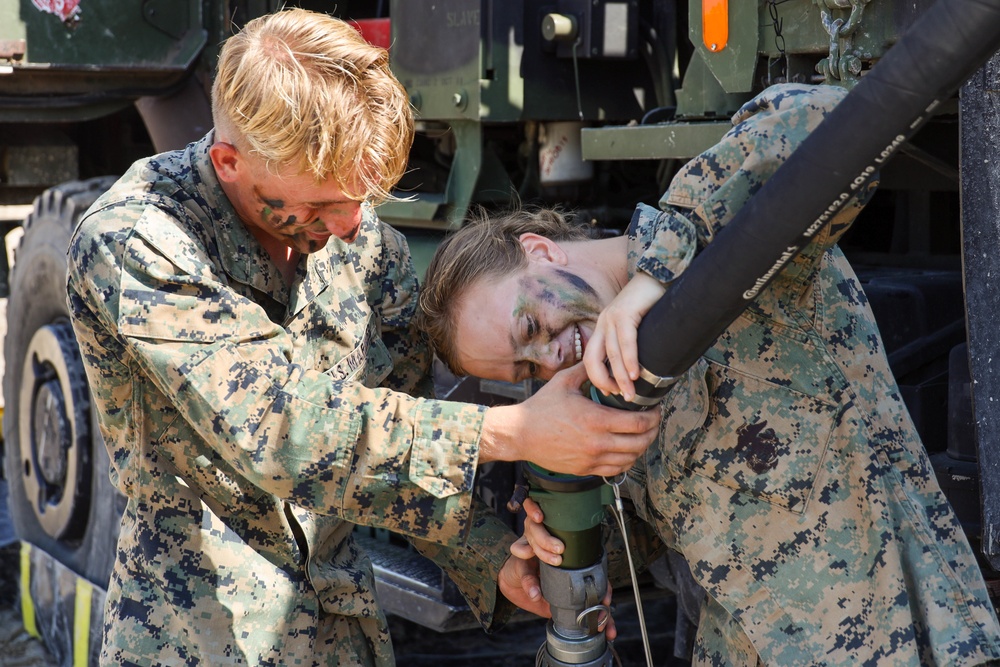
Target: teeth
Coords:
[(577, 343)]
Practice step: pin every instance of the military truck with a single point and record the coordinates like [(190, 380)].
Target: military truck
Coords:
[(587, 104)]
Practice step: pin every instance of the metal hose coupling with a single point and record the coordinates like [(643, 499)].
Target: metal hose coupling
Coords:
[(574, 509), (649, 391)]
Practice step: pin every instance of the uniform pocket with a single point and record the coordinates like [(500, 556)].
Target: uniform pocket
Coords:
[(369, 362), (761, 438)]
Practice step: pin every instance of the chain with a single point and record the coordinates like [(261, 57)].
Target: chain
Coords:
[(842, 64), (779, 42)]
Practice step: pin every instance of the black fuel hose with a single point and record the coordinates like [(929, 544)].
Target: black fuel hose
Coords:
[(942, 49)]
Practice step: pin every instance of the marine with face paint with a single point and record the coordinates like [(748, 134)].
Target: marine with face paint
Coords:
[(245, 321), (788, 473)]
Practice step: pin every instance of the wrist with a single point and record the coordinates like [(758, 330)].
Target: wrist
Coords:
[(495, 441)]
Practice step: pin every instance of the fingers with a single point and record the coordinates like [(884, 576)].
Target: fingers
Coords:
[(618, 348), (518, 582), (593, 359), (618, 452), (610, 630), (627, 344), (635, 429), (521, 549), (532, 510), (612, 349), (532, 586), (546, 547)]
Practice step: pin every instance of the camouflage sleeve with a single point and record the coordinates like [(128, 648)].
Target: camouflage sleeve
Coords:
[(662, 243), (408, 348), (370, 456), (711, 188), (475, 566)]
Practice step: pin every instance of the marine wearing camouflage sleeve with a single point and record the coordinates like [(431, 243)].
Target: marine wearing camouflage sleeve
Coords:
[(251, 423), (788, 472)]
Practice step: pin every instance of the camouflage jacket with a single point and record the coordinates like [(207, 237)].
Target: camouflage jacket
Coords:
[(789, 473), (250, 424)]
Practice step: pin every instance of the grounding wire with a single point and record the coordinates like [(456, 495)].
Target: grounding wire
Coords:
[(619, 511)]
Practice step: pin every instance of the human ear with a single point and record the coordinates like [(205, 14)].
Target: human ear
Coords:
[(226, 160), (541, 248)]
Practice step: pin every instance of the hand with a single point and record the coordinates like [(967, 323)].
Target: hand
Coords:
[(536, 540), (538, 544), (561, 430), (614, 337), (519, 583)]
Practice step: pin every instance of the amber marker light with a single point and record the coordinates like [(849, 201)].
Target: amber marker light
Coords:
[(715, 24)]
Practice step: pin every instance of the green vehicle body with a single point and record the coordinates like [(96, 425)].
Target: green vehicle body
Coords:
[(588, 104)]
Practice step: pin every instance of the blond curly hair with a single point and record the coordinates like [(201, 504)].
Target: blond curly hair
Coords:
[(304, 90)]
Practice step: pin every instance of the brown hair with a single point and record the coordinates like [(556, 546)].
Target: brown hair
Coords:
[(304, 90), (486, 247)]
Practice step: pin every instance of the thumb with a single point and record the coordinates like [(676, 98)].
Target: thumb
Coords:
[(572, 377)]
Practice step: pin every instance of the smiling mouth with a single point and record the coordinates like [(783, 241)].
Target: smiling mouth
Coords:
[(577, 344)]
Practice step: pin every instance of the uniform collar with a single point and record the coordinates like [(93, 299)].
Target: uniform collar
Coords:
[(242, 256)]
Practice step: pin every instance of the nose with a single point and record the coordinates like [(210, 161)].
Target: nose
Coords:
[(550, 359)]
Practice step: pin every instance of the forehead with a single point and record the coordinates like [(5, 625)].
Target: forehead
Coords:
[(485, 320), (289, 184)]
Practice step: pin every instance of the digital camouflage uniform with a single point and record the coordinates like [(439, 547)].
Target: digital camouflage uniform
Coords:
[(251, 424), (788, 472)]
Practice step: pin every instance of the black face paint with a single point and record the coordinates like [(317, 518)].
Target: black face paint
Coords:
[(577, 282)]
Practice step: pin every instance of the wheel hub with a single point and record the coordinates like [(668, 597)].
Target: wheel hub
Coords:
[(54, 432)]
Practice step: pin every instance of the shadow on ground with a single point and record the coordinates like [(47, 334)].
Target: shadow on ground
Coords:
[(517, 644)]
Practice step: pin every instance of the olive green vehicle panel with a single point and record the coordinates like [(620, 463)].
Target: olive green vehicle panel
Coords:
[(130, 34)]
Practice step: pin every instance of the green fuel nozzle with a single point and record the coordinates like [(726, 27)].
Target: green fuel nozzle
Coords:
[(574, 509), (574, 512)]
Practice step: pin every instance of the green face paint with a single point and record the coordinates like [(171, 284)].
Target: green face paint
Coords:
[(553, 313), (534, 322), (555, 300)]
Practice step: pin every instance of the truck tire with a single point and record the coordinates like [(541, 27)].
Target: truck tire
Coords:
[(61, 497)]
